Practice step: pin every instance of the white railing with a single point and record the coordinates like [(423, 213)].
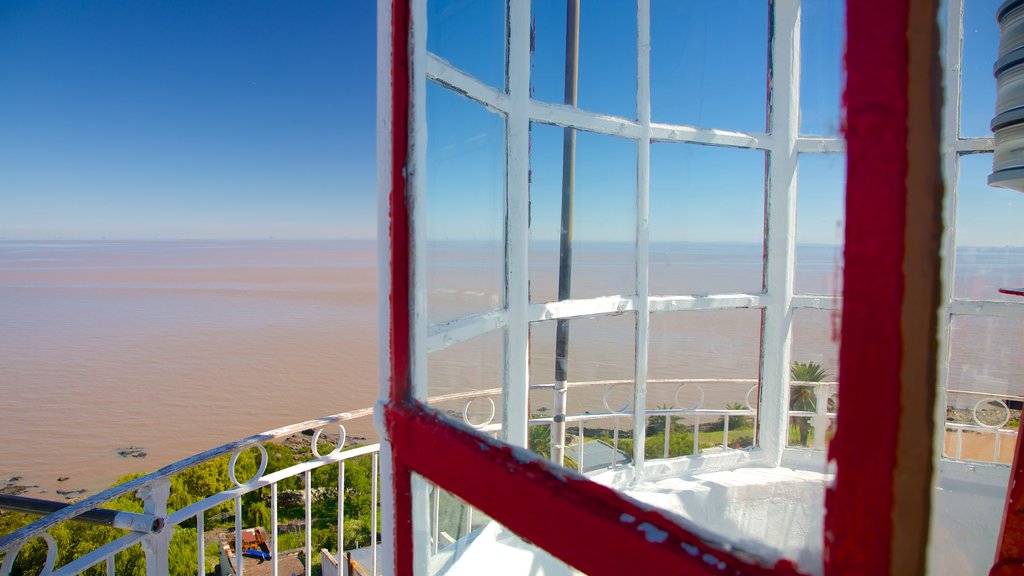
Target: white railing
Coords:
[(152, 529), (981, 428), (154, 490)]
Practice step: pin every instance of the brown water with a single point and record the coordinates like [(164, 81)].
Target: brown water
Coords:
[(179, 346)]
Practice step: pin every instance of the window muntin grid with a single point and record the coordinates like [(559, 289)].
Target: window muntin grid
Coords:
[(780, 144), (968, 198)]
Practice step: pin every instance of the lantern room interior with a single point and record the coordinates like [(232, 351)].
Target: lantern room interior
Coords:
[(627, 240)]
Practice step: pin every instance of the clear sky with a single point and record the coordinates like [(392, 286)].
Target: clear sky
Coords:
[(255, 119), (187, 119)]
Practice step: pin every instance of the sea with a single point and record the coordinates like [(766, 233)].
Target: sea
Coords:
[(114, 349)]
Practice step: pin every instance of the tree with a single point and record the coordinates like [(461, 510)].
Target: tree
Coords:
[(804, 398)]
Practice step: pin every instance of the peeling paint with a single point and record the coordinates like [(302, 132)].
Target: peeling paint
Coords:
[(628, 519), (652, 533), (690, 549)]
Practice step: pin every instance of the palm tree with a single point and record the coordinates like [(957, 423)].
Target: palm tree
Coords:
[(803, 398)]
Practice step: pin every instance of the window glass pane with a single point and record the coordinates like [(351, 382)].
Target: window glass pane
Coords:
[(465, 379), (985, 388), (607, 56), (821, 64), (709, 63), (989, 234), (977, 84), (465, 206), (820, 213), (983, 404), (600, 370), (706, 219), (463, 540), (470, 34), (702, 371), (814, 376), (604, 215)]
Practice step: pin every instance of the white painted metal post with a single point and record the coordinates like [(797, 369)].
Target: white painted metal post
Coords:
[(384, 157), (780, 244), (436, 527), (725, 431), (308, 493), (154, 501), (200, 544), (950, 170), (820, 421), (515, 392), (273, 529), (416, 170), (239, 559), (373, 515), (668, 433), (341, 511), (643, 163)]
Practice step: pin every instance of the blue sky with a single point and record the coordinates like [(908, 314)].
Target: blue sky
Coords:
[(187, 119), (255, 119)]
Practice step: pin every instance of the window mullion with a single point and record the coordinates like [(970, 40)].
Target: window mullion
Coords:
[(780, 245)]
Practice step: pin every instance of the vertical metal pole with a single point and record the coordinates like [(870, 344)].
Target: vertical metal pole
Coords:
[(200, 544), (373, 515), (437, 518), (341, 511), (668, 432), (273, 529), (307, 477), (572, 32), (239, 558)]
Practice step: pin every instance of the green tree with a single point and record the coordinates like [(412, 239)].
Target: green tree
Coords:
[(803, 398)]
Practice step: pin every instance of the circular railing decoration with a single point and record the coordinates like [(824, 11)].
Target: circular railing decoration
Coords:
[(747, 401), (490, 415), (51, 556), (675, 397), (234, 460), (991, 417), (608, 391), (342, 436)]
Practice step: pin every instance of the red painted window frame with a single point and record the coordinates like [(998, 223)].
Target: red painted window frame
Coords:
[(578, 514)]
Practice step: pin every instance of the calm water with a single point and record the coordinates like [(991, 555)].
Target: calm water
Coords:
[(179, 346)]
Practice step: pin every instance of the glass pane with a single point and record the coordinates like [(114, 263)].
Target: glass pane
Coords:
[(706, 219), (820, 213), (989, 234), (983, 405), (977, 84), (465, 379), (983, 401), (709, 63), (967, 511), (702, 368), (470, 34), (607, 56), (604, 215), (600, 370), (821, 65), (814, 376), (465, 206), (463, 540)]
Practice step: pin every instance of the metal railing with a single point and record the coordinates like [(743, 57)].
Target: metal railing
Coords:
[(151, 530), (154, 491), (989, 419)]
